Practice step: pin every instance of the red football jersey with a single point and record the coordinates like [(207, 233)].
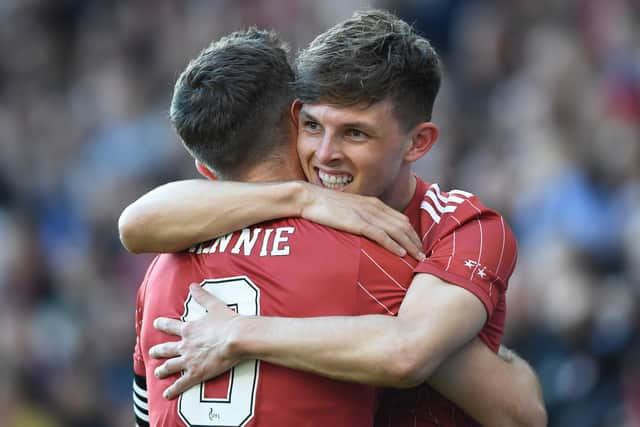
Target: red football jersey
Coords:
[(467, 245), (290, 268)]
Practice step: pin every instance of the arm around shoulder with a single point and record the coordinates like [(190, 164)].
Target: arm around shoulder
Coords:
[(177, 215), (530, 410), (510, 390), (438, 318)]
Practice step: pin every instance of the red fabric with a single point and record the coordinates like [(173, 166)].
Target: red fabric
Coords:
[(313, 271), (331, 273), (466, 245)]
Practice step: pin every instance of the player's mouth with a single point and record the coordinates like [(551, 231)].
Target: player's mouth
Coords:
[(334, 181)]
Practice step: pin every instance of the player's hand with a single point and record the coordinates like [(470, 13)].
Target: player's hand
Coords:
[(202, 353), (362, 215)]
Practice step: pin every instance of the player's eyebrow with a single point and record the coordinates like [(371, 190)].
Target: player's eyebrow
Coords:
[(306, 116), (366, 127)]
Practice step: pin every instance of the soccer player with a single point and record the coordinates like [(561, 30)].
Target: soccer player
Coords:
[(263, 269), (359, 129)]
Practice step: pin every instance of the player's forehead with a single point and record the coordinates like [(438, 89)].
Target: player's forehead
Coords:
[(372, 115)]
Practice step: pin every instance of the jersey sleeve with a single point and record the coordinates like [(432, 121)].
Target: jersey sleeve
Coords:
[(140, 398), (478, 255)]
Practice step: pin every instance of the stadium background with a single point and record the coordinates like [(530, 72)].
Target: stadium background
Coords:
[(540, 114)]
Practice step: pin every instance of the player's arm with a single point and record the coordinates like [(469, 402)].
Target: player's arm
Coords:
[(435, 320), (495, 391), (421, 344), (176, 215)]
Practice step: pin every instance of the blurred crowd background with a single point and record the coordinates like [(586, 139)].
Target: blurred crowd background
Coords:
[(540, 117)]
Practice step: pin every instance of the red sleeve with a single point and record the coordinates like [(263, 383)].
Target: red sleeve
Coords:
[(479, 255), (138, 359)]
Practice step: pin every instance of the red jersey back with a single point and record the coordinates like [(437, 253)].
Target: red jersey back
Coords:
[(290, 268), (466, 245)]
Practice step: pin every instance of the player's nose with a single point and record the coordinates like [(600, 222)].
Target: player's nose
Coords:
[(328, 149)]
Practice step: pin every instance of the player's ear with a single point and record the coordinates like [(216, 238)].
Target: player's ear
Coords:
[(295, 110), (205, 171), (423, 137)]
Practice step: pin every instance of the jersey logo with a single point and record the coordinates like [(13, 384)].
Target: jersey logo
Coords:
[(481, 269), (213, 415), (436, 203)]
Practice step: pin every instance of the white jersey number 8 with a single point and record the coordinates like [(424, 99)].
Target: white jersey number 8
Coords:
[(238, 407)]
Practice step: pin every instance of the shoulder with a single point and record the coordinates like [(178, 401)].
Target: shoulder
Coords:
[(456, 220), (313, 232), (438, 206), (445, 211), (372, 254), (457, 205)]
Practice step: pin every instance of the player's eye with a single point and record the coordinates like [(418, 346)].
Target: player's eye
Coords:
[(311, 125), (357, 135)]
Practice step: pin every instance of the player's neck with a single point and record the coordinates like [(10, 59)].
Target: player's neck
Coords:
[(274, 171), (401, 192), (278, 165)]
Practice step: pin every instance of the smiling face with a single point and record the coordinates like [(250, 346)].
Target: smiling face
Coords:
[(360, 149)]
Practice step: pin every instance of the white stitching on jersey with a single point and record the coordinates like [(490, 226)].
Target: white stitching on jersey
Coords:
[(453, 251), (479, 251), (425, 234), (501, 255), (383, 270), (408, 265), (474, 206), (376, 299)]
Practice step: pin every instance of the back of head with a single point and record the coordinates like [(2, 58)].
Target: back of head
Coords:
[(371, 57), (230, 105)]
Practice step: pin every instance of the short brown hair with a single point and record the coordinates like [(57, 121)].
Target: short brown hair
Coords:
[(371, 57), (230, 105)]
